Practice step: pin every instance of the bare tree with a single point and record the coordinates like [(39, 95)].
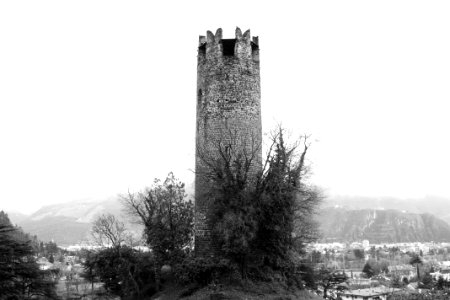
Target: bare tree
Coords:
[(232, 156), (109, 230)]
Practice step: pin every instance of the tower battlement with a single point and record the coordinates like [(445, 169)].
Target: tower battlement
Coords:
[(214, 46)]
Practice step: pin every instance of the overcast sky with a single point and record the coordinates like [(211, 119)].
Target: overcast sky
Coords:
[(98, 97)]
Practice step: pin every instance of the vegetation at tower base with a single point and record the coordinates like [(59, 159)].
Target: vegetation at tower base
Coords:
[(260, 222), (20, 276)]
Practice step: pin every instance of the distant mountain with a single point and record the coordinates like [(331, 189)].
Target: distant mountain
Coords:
[(83, 211), (69, 223), (63, 230), (381, 226), (438, 206)]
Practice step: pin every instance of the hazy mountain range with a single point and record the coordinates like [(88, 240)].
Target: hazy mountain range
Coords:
[(437, 206), (381, 226), (341, 218), (68, 223)]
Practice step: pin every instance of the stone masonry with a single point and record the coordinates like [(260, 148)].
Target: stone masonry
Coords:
[(228, 108)]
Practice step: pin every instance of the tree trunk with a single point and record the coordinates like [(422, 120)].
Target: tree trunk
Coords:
[(157, 276), (418, 274)]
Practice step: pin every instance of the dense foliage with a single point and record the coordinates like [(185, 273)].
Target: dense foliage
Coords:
[(261, 220), (124, 271), (260, 223), (167, 216), (20, 276)]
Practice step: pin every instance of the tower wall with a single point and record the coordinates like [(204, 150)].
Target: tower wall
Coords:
[(228, 110)]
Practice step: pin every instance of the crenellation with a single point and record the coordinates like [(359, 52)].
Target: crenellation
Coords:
[(201, 40), (218, 35), (215, 47), (209, 37)]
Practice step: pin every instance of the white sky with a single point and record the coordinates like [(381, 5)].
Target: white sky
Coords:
[(97, 97)]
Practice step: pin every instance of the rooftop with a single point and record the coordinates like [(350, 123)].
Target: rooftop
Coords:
[(375, 291)]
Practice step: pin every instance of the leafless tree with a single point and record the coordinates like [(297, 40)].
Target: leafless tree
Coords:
[(233, 157), (109, 230)]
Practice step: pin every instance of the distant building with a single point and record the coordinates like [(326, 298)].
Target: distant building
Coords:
[(444, 273), (376, 293), (365, 244), (142, 248), (445, 264), (356, 245), (402, 271), (44, 264), (361, 283), (353, 273)]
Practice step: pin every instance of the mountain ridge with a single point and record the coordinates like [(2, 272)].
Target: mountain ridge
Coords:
[(381, 226), (435, 205), (70, 223)]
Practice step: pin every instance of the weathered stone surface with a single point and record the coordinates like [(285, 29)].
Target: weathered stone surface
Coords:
[(228, 108)]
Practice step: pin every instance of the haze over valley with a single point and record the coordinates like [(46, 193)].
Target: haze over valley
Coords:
[(343, 219)]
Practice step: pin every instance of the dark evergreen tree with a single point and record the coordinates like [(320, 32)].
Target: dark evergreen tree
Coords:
[(416, 261), (427, 282), (359, 253), (440, 284), (89, 265), (368, 270), (20, 276)]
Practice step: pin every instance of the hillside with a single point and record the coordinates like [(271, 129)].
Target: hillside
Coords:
[(436, 206), (63, 230), (356, 219), (381, 226), (69, 223)]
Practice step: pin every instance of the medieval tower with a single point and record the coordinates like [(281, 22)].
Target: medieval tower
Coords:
[(228, 108)]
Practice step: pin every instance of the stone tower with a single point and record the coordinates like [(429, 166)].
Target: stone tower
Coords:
[(228, 107)]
